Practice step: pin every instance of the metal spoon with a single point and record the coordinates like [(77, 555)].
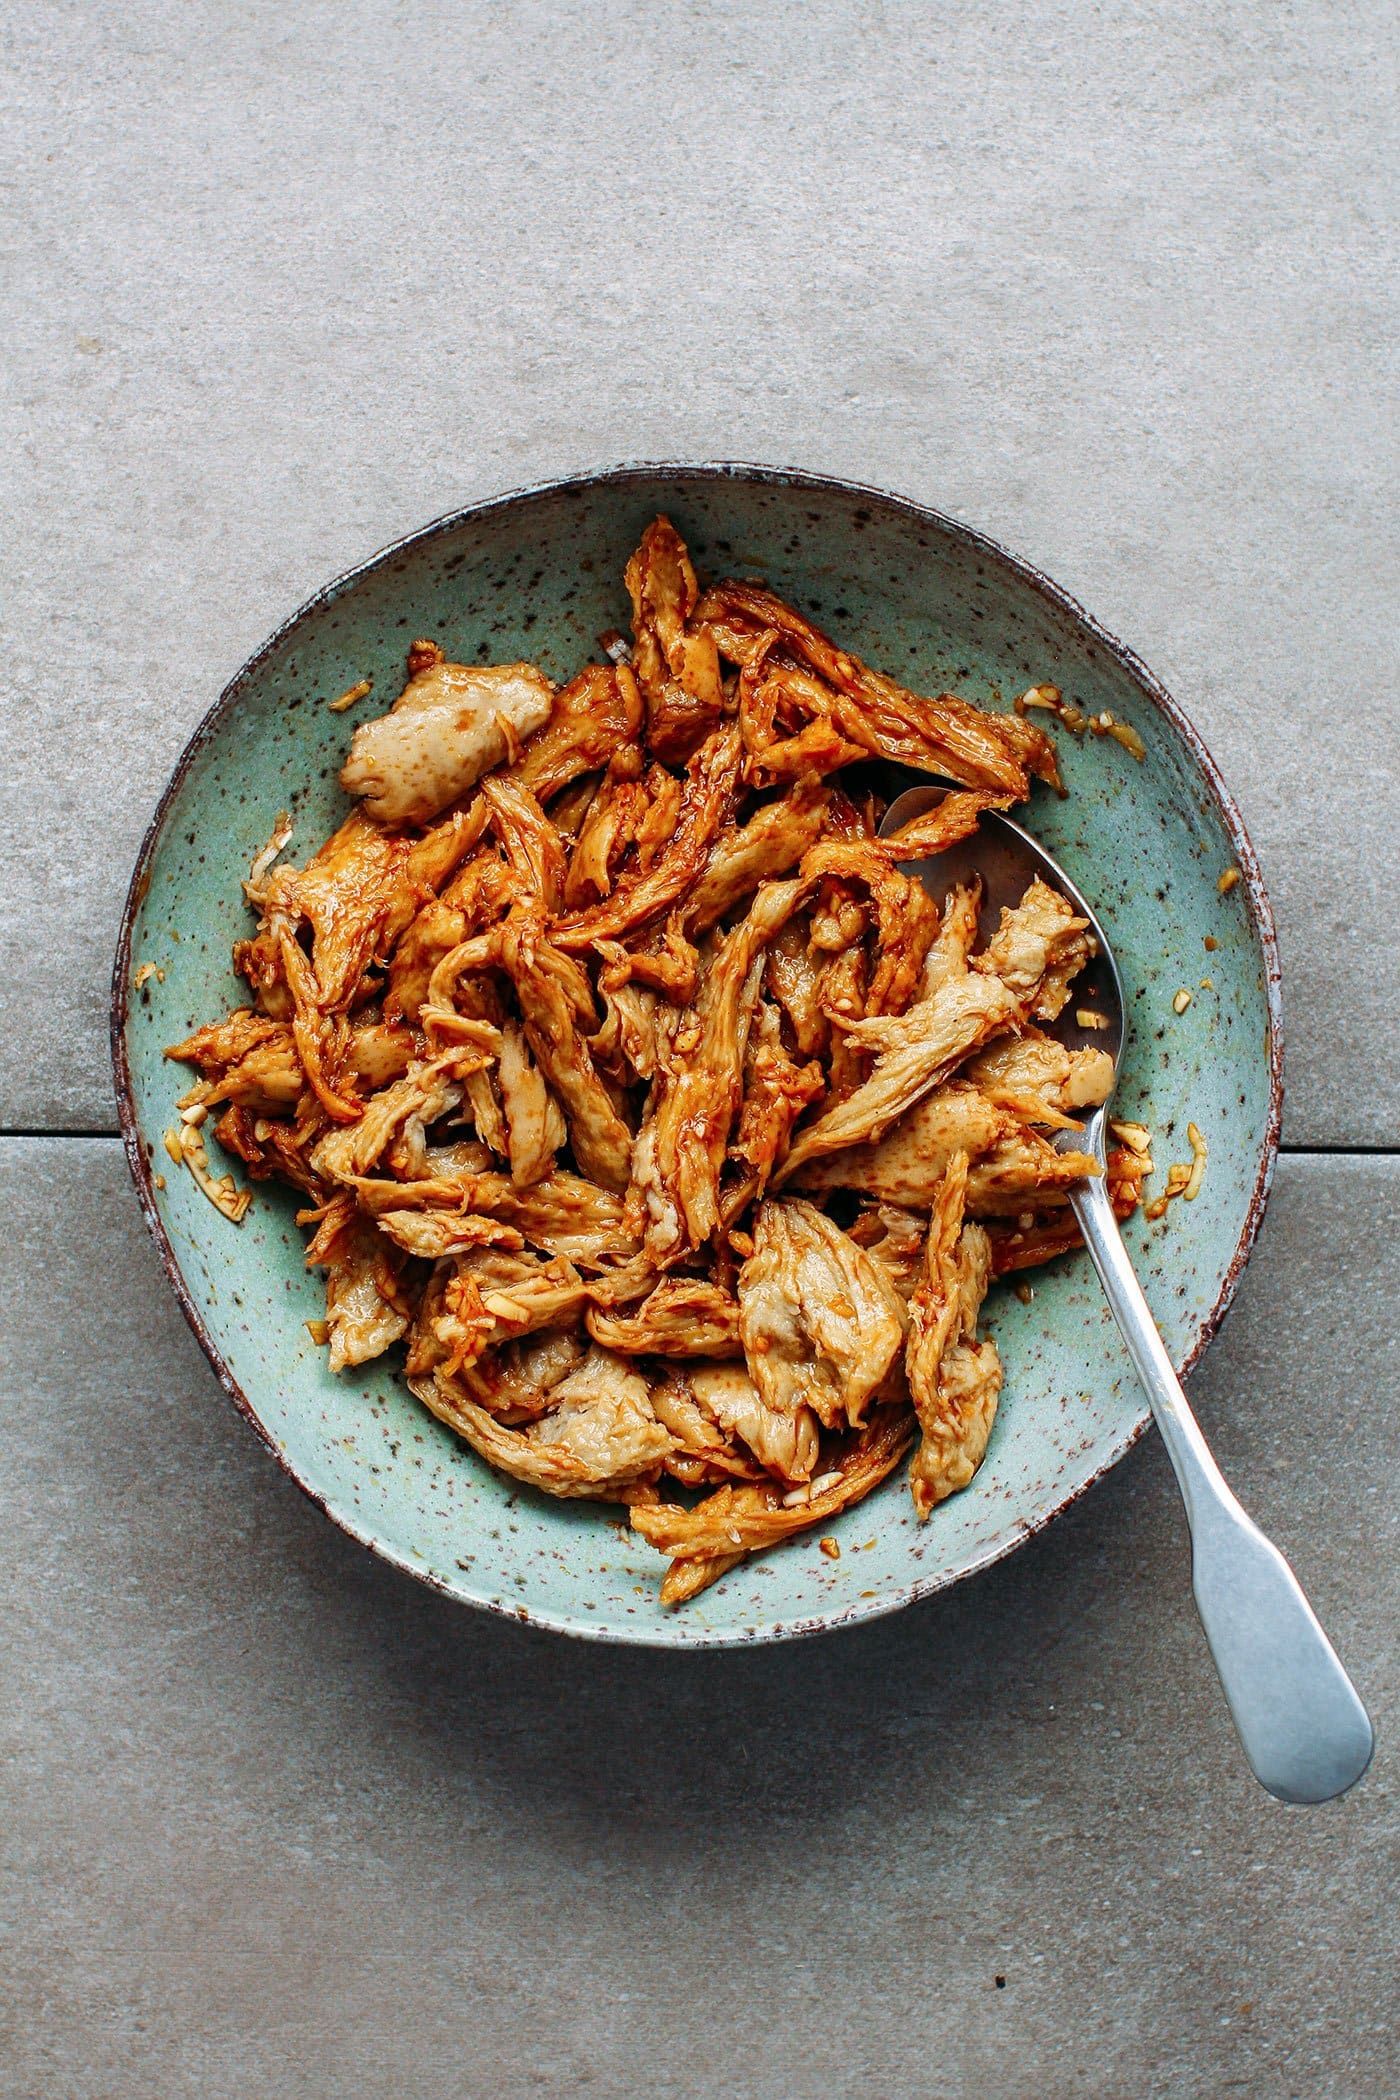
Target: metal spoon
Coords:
[(1305, 1732)]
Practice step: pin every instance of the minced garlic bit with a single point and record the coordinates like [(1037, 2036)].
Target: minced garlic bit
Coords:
[(143, 975), (1207, 984), (1050, 698), (351, 695), (1228, 880), (1130, 740), (1088, 1019), (830, 1548), (186, 1147), (319, 1331), (195, 1113), (159, 1180), (1210, 944), (1136, 1136), (1181, 1001), (1181, 1180), (1022, 1290)]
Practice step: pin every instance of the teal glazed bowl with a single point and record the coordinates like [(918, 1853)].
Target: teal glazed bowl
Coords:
[(538, 575)]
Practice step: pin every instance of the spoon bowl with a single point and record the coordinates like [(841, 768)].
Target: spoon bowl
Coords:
[(1004, 858)]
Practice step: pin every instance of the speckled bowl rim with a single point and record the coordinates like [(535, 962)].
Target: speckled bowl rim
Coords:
[(659, 1634)]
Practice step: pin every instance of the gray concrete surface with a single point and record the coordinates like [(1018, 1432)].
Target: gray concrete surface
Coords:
[(280, 1823), (1117, 286)]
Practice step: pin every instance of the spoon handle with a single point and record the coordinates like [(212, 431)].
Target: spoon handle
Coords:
[(1305, 1732)]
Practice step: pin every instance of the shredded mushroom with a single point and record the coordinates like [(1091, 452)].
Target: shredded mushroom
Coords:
[(630, 1083)]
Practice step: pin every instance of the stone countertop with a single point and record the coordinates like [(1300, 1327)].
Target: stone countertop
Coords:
[(279, 1822), (1116, 288)]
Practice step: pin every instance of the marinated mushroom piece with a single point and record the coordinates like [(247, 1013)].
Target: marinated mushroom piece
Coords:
[(1013, 1168), (950, 951), (574, 1030), (431, 1234), (1040, 1234), (707, 798), (451, 724), (515, 1383), (677, 667), (934, 830), (534, 1121), (271, 1148), (475, 898), (365, 1310), (776, 1091), (563, 1214), (906, 1165), (785, 1443), (702, 1453), (905, 919), (794, 975), (614, 817), (1022, 1171), (599, 1438), (531, 846), (601, 1140), (954, 1379), (894, 1239), (705, 1542), (683, 1316), (917, 1050), (681, 1145), (940, 735), (357, 895), (489, 1297), (631, 1041), (1041, 1080), (1038, 949), (595, 715), (771, 843), (380, 1052), (819, 1320), (427, 1091), (248, 1060)]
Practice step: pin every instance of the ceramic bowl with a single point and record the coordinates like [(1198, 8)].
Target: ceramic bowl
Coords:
[(538, 574)]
